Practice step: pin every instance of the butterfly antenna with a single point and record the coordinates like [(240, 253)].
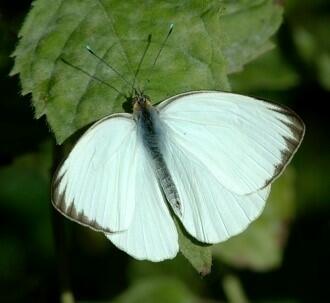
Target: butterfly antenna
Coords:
[(160, 50), (162, 46), (140, 62), (108, 65), (92, 76)]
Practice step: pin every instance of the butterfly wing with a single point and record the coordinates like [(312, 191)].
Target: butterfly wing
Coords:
[(152, 233), (108, 183), (95, 185), (210, 212), (244, 142)]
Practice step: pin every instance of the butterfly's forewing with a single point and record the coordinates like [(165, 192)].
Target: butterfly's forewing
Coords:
[(152, 233), (244, 142), (95, 185)]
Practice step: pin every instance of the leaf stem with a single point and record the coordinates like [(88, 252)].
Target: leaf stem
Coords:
[(233, 289)]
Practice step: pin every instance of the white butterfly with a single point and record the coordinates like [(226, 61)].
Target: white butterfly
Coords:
[(207, 157)]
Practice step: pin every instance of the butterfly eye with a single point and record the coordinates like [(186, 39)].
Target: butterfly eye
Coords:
[(140, 100)]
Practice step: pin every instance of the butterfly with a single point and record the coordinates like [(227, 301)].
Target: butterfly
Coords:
[(206, 157)]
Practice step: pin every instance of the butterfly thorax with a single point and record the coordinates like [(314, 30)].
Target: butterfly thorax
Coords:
[(151, 131)]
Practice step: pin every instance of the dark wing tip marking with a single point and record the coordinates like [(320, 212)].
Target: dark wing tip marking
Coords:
[(69, 210), (282, 110), (297, 125), (297, 128)]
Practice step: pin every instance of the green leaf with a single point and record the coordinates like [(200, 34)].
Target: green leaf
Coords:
[(210, 39), (117, 32), (25, 183), (269, 72), (245, 28), (162, 290), (140, 270), (310, 27), (192, 58), (260, 247), (198, 254), (24, 192), (314, 51)]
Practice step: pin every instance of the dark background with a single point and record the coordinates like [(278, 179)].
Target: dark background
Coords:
[(31, 265)]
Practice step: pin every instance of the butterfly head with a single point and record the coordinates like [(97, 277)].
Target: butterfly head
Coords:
[(140, 102)]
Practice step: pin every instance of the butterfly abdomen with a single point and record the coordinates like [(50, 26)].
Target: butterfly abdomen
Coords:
[(150, 131)]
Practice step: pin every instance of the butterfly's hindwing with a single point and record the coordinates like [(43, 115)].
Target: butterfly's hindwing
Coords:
[(152, 234)]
